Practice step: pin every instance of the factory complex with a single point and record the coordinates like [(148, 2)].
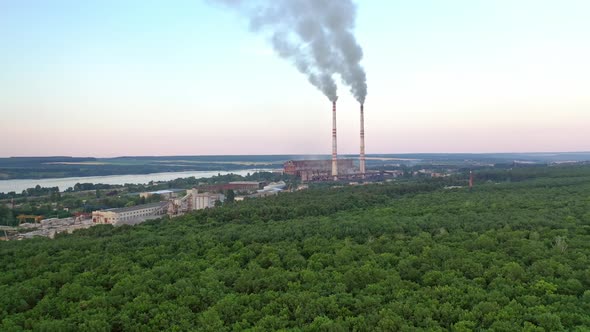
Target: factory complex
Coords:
[(48, 227), (193, 200), (176, 203), (173, 206), (309, 170), (334, 169)]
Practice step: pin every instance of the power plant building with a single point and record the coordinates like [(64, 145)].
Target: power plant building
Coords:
[(309, 170)]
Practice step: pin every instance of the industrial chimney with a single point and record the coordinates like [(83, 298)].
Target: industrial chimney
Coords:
[(334, 153), (362, 155)]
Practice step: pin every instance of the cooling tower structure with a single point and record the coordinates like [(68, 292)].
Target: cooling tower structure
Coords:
[(362, 154), (334, 144)]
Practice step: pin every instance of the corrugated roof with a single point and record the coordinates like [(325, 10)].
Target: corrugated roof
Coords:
[(161, 192), (138, 207)]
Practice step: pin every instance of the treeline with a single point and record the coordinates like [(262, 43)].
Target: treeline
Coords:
[(31, 192), (526, 172), (60, 167), (31, 162), (389, 257), (179, 183), (184, 183), (38, 191)]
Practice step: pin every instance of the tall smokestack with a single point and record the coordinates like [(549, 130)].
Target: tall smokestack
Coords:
[(334, 145), (362, 155)]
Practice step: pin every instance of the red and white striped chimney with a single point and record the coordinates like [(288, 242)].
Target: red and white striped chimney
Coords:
[(362, 155), (334, 145)]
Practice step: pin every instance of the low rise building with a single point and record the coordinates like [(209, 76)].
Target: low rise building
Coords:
[(204, 200), (129, 215), (50, 227), (166, 194), (263, 194), (235, 185)]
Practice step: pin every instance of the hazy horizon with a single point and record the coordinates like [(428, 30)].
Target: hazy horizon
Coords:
[(305, 154), (139, 78)]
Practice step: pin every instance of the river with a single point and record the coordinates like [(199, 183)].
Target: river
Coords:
[(18, 185)]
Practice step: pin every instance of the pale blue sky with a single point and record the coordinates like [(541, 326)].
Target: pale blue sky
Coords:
[(107, 78)]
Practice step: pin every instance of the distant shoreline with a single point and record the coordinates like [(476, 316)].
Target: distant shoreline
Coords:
[(37, 168), (18, 185)]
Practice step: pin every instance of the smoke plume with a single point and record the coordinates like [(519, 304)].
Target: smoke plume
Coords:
[(315, 35)]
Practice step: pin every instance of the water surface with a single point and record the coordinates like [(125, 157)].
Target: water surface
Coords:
[(18, 185)]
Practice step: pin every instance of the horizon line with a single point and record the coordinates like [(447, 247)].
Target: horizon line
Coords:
[(301, 154)]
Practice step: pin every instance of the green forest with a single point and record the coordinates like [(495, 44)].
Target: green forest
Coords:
[(512, 254)]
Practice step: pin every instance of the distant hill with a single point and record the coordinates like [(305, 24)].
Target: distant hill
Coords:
[(56, 167)]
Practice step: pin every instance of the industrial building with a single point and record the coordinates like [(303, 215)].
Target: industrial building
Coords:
[(50, 227), (166, 194), (199, 201), (193, 200), (235, 185), (129, 215), (271, 189), (309, 170)]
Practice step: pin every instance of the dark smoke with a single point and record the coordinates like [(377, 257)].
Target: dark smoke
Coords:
[(316, 35)]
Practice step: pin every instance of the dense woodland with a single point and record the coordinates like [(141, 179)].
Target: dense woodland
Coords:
[(409, 256)]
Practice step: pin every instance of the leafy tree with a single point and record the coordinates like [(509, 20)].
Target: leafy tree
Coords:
[(230, 196)]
